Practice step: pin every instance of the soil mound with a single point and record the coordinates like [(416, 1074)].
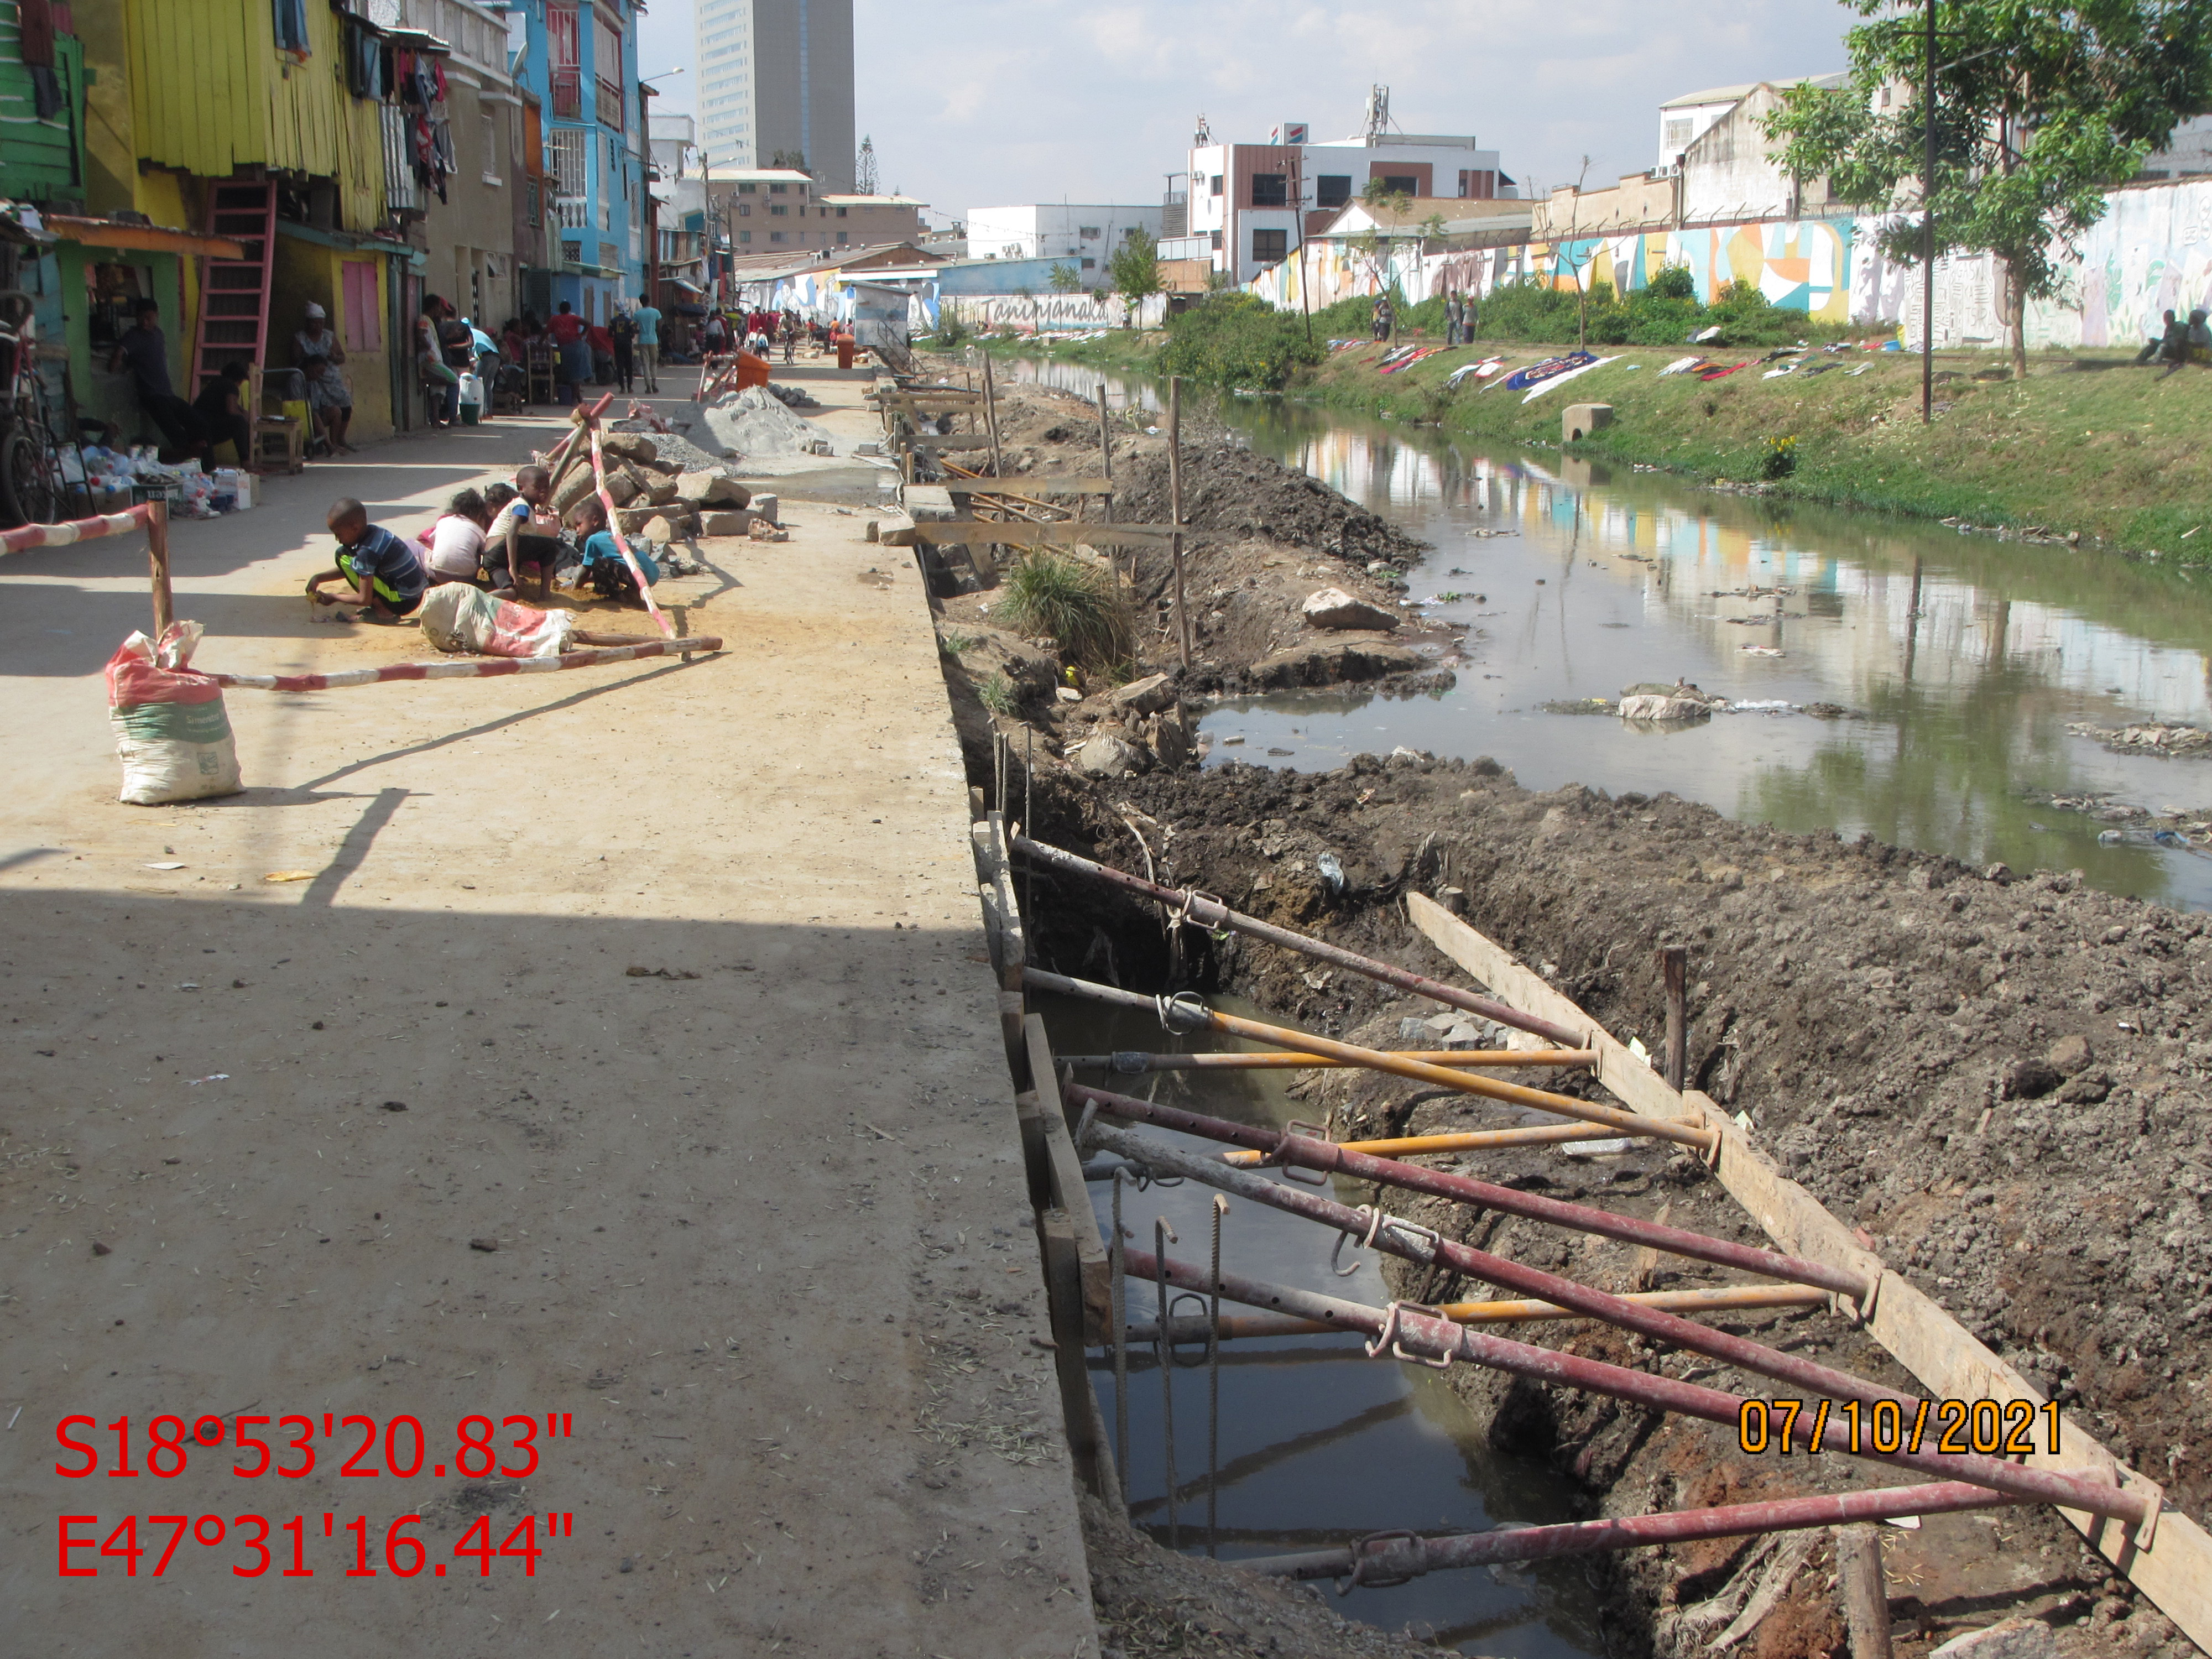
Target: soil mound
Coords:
[(1228, 488)]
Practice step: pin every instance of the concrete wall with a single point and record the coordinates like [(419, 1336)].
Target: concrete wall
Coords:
[(1637, 202), (1727, 176)]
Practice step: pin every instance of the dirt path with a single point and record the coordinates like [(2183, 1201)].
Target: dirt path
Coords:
[(640, 1009)]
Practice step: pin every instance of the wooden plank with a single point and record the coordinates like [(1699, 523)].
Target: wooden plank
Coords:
[(982, 532), (1069, 1190), (2174, 1570), (1060, 1235), (1029, 1119), (935, 441), (1020, 483)]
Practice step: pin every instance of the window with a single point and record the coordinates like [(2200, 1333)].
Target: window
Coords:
[(779, 189), (569, 160), (1091, 265), (1678, 132), (491, 147), (1217, 241), (779, 210), (1403, 184), (845, 236), (744, 209), (563, 60), (1270, 247), (1215, 187), (745, 236), (292, 26), (1332, 189), (1270, 189), (364, 316), (777, 236), (841, 213), (1089, 233), (746, 187)]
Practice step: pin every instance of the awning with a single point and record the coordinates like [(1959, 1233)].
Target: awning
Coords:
[(147, 238), (689, 288)]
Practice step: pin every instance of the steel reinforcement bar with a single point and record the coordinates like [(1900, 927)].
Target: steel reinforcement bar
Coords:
[(1280, 1147), (1210, 912), (1186, 1013), (1407, 1332)]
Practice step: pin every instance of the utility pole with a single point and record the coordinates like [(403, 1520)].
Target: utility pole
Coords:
[(1927, 228)]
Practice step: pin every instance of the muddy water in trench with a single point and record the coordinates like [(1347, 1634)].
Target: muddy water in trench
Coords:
[(1961, 660), (1318, 1444)]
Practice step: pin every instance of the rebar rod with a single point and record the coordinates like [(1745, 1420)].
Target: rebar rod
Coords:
[(1163, 1349), (1207, 912), (1131, 1061), (1185, 1013), (1280, 1147), (1391, 1558), (1416, 1333), (1470, 1140), (1718, 1299)]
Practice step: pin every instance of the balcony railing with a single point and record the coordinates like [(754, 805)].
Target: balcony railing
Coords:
[(572, 212), (568, 94), (611, 105), (402, 194)]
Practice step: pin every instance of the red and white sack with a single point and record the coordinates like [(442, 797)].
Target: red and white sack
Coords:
[(456, 617), (171, 729)]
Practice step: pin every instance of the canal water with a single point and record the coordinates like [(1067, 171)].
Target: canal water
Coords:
[(1952, 669), (1315, 1443)]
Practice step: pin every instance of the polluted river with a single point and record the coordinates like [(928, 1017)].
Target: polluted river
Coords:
[(1939, 691)]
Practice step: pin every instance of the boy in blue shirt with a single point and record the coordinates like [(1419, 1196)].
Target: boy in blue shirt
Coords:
[(605, 572), (387, 578)]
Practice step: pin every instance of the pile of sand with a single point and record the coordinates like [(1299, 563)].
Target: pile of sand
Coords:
[(754, 421)]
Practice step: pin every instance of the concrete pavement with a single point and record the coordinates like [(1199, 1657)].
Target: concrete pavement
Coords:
[(641, 1009)]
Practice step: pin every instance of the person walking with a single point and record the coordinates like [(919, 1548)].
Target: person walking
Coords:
[(649, 342), (621, 329)]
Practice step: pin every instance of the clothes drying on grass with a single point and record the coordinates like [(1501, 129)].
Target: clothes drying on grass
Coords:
[(1412, 357), (1720, 372), (1521, 379), (1565, 376), (1481, 371), (1684, 365)]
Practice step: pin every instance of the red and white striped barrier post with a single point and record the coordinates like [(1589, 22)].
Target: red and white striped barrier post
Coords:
[(476, 668), (621, 541), (153, 515)]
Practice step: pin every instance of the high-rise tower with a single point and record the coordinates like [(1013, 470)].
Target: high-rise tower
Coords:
[(775, 77)]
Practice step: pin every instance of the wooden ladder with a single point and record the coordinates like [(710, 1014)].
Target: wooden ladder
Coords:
[(234, 293)]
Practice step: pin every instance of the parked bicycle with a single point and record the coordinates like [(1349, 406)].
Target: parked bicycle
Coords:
[(32, 484)]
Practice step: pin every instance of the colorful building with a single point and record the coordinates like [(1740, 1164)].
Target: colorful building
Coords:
[(578, 58)]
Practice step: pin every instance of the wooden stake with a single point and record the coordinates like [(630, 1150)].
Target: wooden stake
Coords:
[(991, 418), (1673, 962), (1864, 1591), (157, 560), (1175, 508), (1106, 452)]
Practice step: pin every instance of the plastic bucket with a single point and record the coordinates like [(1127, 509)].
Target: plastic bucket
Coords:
[(469, 413)]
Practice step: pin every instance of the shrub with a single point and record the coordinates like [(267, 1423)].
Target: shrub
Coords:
[(999, 693), (1080, 607), (1238, 340), (1779, 459)]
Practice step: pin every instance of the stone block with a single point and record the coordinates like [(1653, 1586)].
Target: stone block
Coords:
[(630, 446), (722, 521), (1578, 421), (1333, 607)]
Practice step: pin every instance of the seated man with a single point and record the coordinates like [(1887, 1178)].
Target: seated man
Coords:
[(221, 412), (145, 348), (387, 578)]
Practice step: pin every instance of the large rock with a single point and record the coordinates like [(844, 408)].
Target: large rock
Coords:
[(659, 529), (1327, 662), (1148, 696), (2015, 1638), (1335, 608), (622, 488), (1105, 754), (723, 522), (713, 489), (630, 446), (661, 491), (575, 483), (632, 520), (1660, 709)]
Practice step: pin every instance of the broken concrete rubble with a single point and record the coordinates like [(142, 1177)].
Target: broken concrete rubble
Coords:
[(1332, 607)]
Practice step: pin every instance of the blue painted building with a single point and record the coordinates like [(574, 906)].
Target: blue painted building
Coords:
[(579, 58)]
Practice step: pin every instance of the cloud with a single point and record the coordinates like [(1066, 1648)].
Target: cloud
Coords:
[(978, 102)]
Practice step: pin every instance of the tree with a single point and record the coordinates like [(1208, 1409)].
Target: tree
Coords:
[(1135, 267), (864, 169), (1372, 247), (1065, 279), (2041, 106), (793, 159)]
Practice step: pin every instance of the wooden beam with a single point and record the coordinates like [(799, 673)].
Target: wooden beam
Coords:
[(1068, 1191), (980, 533), (944, 440), (2173, 1567), (1020, 483)]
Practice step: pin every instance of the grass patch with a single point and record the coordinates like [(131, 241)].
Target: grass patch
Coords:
[(954, 643), (1078, 606), (999, 693)]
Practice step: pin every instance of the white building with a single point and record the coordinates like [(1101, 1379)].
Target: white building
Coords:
[(1684, 120), (1249, 204), (1085, 234), (775, 77)]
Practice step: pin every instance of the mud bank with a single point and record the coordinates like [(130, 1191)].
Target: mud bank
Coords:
[(2003, 1084)]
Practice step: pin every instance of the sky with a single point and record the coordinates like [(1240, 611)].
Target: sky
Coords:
[(983, 103)]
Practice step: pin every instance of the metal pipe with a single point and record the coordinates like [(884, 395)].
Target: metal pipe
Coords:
[(1211, 913), (1280, 1147), (1130, 1062), (1389, 1558), (1471, 1140), (467, 668), (1245, 1327), (1414, 1333), (1187, 1013)]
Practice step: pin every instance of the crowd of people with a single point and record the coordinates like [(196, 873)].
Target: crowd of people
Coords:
[(624, 351), (2180, 343), (760, 331)]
